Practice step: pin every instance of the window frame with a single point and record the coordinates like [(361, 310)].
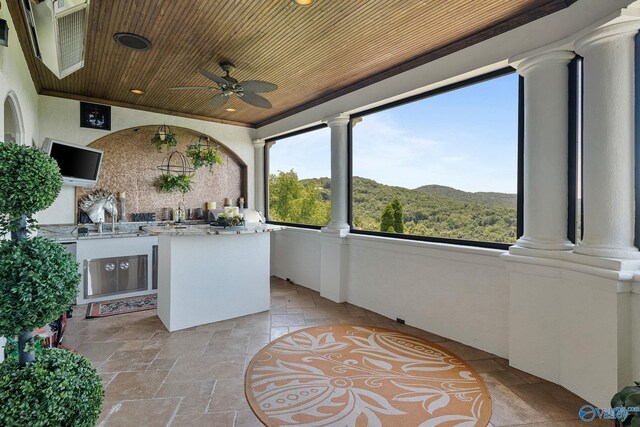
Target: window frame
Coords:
[(575, 97), (268, 142), (520, 161)]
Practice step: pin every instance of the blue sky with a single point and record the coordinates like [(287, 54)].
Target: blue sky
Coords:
[(465, 139)]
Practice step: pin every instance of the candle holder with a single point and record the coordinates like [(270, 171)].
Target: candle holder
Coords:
[(123, 209)]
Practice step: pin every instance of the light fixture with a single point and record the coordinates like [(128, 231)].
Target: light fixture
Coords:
[(231, 110), (137, 91), (304, 2)]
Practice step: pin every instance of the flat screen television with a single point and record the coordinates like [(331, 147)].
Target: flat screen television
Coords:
[(79, 165)]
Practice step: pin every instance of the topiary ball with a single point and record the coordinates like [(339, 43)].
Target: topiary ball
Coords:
[(30, 180), (38, 282), (60, 388)]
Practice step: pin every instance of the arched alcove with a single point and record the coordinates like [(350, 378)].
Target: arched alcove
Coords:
[(13, 130), (130, 164)]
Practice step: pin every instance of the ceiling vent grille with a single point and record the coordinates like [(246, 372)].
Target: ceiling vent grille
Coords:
[(58, 31), (71, 31)]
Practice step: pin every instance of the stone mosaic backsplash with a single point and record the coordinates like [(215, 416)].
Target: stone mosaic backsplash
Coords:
[(130, 164)]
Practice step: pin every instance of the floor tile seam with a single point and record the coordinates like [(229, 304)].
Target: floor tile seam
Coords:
[(175, 412), (127, 371), (213, 391), (164, 380), (144, 400), (109, 382)]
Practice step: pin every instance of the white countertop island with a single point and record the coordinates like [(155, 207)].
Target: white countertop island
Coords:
[(207, 274)]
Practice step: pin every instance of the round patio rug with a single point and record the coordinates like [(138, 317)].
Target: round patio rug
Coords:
[(344, 375)]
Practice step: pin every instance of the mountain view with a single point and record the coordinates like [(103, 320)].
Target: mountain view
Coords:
[(429, 210)]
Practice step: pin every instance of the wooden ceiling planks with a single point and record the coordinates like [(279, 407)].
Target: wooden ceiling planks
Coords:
[(313, 53)]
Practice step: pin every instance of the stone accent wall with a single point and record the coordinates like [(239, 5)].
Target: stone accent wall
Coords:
[(131, 161)]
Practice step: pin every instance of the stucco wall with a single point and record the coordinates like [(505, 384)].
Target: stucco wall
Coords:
[(297, 256), (130, 164), (457, 292), (60, 119), (15, 81)]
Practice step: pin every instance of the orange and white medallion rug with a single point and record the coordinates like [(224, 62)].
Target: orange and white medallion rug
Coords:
[(343, 375)]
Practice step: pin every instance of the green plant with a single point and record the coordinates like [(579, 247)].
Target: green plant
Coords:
[(201, 155), (38, 282), (392, 220), (228, 221), (169, 140), (29, 182), (60, 388), (169, 183), (628, 397)]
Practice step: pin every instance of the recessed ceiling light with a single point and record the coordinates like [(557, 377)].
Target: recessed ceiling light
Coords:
[(303, 2), (132, 41), (137, 91), (231, 110)]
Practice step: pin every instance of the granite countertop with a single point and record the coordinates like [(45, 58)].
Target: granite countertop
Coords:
[(207, 230), (69, 233)]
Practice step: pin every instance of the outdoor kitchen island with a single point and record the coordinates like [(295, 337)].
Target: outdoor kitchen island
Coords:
[(207, 274)]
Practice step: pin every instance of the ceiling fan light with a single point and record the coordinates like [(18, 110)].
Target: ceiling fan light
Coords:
[(303, 2)]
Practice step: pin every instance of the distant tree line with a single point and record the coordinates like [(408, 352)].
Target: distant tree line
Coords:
[(428, 211)]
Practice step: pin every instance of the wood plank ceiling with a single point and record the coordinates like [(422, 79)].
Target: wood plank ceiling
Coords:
[(313, 53)]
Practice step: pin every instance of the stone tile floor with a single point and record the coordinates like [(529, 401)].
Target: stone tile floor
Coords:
[(194, 377)]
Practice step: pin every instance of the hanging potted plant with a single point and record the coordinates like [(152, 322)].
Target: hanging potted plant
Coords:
[(171, 183), (38, 282), (176, 173), (202, 153), (164, 137)]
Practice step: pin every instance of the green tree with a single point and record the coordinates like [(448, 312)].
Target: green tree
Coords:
[(283, 189), (386, 220), (392, 220), (398, 216), (295, 201)]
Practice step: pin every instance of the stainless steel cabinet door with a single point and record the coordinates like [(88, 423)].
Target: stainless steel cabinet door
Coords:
[(100, 277), (132, 273)]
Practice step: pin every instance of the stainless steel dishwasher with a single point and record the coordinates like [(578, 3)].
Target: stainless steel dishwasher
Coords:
[(116, 275)]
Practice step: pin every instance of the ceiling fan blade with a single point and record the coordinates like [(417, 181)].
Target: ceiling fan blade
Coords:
[(254, 99), (192, 88), (213, 77), (219, 100), (258, 86)]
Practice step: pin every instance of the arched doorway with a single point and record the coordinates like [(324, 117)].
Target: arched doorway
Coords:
[(12, 120)]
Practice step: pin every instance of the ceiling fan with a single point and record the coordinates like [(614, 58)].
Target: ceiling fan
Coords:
[(246, 90)]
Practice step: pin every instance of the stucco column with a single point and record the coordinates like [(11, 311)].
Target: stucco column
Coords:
[(339, 174), (608, 141), (258, 156), (545, 150)]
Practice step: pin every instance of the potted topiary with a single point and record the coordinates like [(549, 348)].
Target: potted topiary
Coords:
[(628, 397), (38, 282)]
